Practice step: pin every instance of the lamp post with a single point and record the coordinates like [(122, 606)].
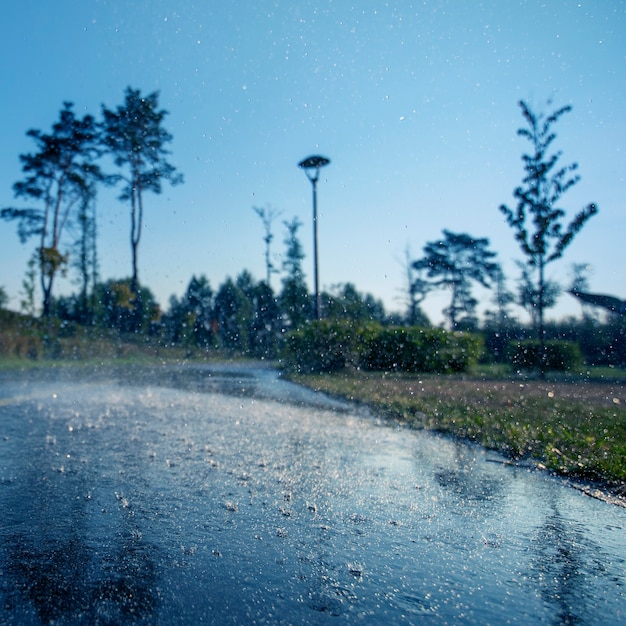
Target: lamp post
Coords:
[(311, 166)]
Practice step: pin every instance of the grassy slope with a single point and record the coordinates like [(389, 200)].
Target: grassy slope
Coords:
[(576, 428)]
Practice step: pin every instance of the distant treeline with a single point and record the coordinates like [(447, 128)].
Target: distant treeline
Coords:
[(61, 180), (247, 317)]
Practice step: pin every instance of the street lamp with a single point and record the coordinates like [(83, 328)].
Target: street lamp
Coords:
[(311, 166)]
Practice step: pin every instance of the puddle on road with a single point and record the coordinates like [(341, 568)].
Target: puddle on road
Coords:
[(161, 505)]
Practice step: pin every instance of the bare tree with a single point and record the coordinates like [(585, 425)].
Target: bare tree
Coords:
[(415, 291), (267, 215)]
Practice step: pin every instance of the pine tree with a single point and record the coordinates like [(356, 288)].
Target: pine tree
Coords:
[(59, 176), (135, 137)]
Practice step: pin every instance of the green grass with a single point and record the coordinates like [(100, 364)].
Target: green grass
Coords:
[(27, 343), (576, 427), (24, 345)]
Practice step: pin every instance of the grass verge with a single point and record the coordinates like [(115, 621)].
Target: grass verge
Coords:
[(576, 428)]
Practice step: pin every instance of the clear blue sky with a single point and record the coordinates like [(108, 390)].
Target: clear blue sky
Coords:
[(415, 103)]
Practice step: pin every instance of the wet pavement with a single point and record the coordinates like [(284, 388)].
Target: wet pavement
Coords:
[(225, 495)]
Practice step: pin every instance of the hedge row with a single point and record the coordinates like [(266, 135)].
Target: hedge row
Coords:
[(327, 346), (559, 355)]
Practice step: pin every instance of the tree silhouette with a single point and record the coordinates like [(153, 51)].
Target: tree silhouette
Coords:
[(59, 177), (134, 136), (266, 321), (233, 313), (347, 303), (199, 308), (294, 298), (267, 215), (415, 291), (452, 263), (544, 183), (190, 319), (29, 287), (502, 298), (528, 294), (85, 256), (116, 306)]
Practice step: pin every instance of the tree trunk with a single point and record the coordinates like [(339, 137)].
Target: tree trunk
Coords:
[(134, 241), (137, 218), (46, 290), (542, 338)]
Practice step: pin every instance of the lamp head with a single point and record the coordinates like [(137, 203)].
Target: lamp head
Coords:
[(315, 161), (311, 166)]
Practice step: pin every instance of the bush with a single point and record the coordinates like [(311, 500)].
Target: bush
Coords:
[(388, 349), (559, 355), (417, 349), (20, 336), (22, 346), (459, 352), (323, 346), (328, 346)]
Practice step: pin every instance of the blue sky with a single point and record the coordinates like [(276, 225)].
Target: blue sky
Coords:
[(415, 103)]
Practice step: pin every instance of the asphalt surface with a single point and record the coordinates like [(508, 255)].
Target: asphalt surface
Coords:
[(222, 494)]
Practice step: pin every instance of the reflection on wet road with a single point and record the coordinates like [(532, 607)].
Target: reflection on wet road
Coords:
[(226, 496)]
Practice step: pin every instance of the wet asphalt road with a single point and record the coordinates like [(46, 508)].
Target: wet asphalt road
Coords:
[(225, 495)]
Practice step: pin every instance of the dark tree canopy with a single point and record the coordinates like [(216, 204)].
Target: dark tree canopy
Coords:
[(294, 297), (346, 302), (58, 178), (453, 263), (135, 137), (116, 306), (233, 312)]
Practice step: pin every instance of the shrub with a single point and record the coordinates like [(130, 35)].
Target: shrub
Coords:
[(459, 352), (559, 355), (23, 346), (20, 336), (322, 346), (328, 346), (388, 349), (416, 349)]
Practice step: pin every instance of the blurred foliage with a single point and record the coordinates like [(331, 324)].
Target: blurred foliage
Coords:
[(416, 349), (20, 336), (600, 343), (562, 356), (119, 307), (246, 317), (453, 263), (328, 345), (322, 346)]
